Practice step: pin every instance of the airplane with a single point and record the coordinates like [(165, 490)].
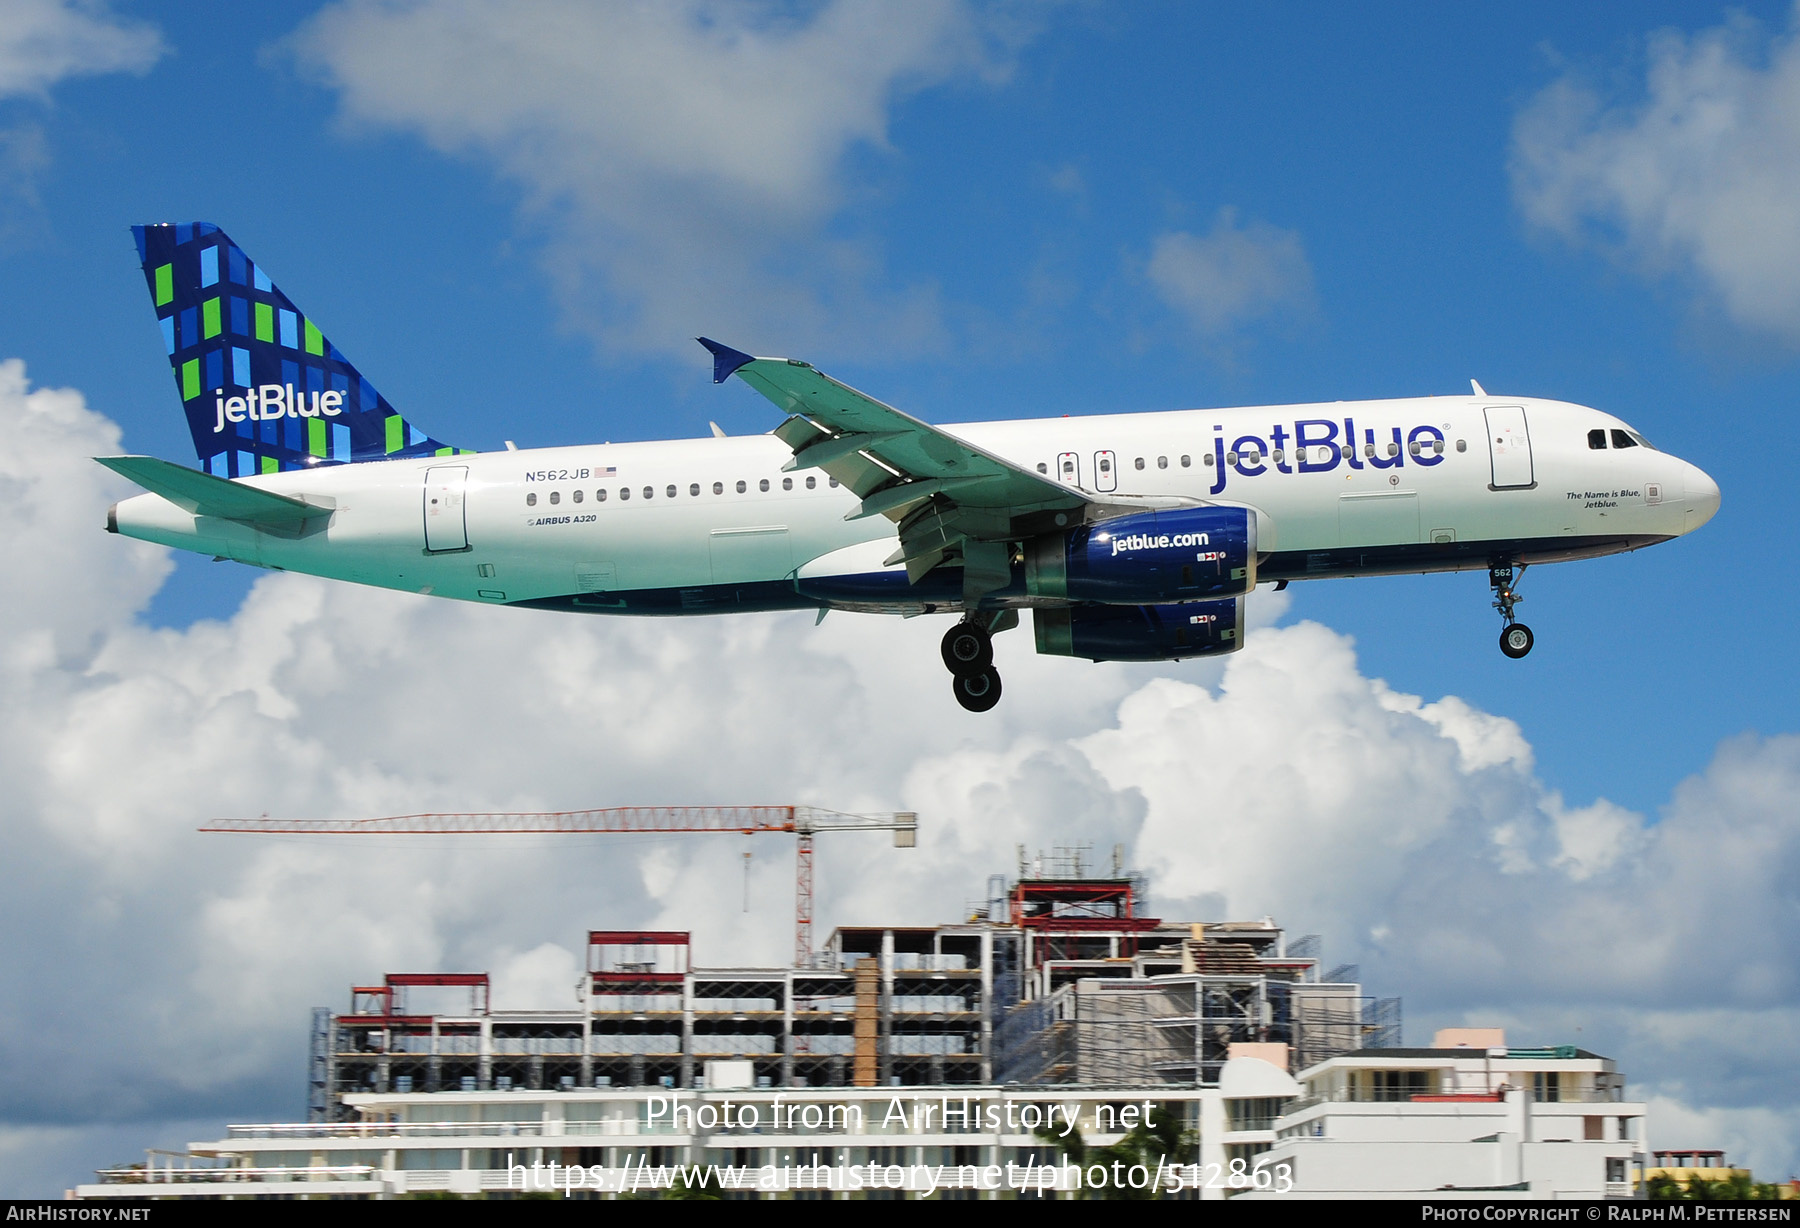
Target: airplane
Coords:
[(1129, 537)]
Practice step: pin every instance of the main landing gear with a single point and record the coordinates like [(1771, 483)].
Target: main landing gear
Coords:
[(968, 650), (1515, 637)]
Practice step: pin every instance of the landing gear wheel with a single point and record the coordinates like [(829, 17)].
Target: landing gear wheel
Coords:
[(1515, 640), (978, 692), (968, 649)]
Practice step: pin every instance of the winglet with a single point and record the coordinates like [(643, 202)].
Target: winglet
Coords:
[(726, 360), (1479, 390)]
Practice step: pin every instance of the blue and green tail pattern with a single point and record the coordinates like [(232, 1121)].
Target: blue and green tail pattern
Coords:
[(263, 388)]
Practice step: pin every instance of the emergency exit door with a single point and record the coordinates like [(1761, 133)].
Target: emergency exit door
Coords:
[(1106, 472)]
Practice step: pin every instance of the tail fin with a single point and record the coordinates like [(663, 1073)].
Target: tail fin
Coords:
[(263, 389)]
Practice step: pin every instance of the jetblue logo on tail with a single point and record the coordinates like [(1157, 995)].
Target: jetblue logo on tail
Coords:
[(271, 401), (283, 396)]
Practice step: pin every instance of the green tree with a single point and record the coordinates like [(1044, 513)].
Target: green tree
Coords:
[(1163, 1139)]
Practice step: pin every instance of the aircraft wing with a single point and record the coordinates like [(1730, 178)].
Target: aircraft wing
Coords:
[(202, 494), (948, 497)]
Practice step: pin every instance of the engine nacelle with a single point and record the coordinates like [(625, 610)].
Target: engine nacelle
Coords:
[(1186, 554), (1141, 632)]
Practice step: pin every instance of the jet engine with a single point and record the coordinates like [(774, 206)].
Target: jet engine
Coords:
[(1141, 632), (1185, 554)]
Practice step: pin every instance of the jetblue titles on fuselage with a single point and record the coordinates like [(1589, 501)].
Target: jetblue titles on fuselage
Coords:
[(1317, 447)]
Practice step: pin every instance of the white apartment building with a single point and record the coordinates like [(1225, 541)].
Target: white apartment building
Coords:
[(969, 1141), (1467, 1117)]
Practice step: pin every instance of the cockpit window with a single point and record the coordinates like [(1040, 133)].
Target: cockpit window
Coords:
[(1597, 439), (1641, 441), (1623, 439)]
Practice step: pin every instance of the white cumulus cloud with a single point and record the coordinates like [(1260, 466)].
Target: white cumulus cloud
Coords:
[(45, 41), (179, 968), (1695, 175), (1233, 275), (682, 160)]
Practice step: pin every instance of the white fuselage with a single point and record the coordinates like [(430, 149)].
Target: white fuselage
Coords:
[(632, 527)]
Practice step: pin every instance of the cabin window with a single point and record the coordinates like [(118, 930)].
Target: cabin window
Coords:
[(1162, 462), (600, 495), (531, 499), (718, 488), (693, 490), (1462, 445), (1393, 449), (1348, 451), (1231, 458), (555, 497), (649, 492), (1187, 462), (1369, 450), (1622, 440), (1208, 458), (576, 496), (1413, 447), (1437, 447), (763, 485), (1140, 462), (624, 492), (787, 483), (834, 483), (1043, 468), (811, 481), (1278, 454), (741, 488), (670, 492), (1597, 439)]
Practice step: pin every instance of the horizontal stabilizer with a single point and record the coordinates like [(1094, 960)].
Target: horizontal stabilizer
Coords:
[(205, 495)]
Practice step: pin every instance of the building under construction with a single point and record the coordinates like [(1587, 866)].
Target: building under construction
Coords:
[(1059, 977)]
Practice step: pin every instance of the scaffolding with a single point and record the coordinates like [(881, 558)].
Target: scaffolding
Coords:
[(1058, 978)]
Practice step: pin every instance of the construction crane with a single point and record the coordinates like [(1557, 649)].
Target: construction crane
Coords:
[(804, 821)]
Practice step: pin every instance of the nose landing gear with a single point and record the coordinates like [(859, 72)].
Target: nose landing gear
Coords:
[(968, 651), (1515, 637)]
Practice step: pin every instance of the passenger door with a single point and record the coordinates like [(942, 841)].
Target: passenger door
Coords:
[(446, 520), (1509, 448)]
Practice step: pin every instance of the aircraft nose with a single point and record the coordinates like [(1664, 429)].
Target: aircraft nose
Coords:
[(1702, 498)]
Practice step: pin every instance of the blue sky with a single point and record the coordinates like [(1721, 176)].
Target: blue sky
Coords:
[(515, 224), (1026, 206)]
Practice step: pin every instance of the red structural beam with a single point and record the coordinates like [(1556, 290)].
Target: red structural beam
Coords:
[(437, 978), (639, 938), (1081, 925)]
